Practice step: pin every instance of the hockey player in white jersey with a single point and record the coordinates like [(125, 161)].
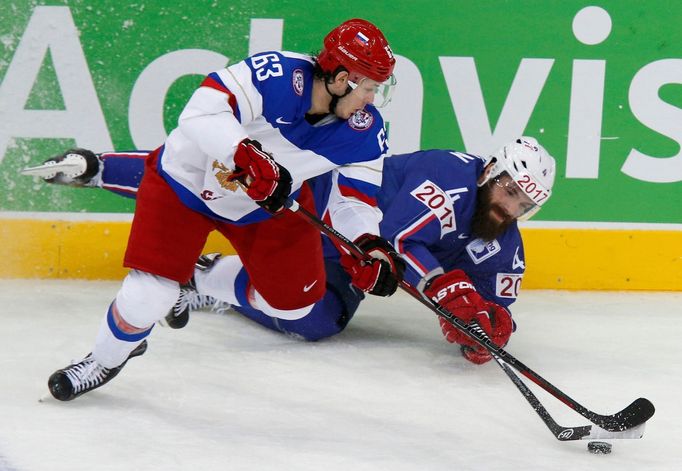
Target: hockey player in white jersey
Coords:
[(248, 139), (451, 215)]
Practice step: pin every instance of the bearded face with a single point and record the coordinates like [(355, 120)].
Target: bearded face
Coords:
[(490, 218)]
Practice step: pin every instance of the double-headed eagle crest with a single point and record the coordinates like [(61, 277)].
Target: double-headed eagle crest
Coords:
[(223, 176)]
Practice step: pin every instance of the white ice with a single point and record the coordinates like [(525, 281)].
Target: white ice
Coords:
[(387, 394)]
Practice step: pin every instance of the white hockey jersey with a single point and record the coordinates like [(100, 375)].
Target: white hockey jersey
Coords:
[(265, 98)]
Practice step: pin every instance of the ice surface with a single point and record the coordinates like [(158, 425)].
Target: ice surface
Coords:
[(387, 394)]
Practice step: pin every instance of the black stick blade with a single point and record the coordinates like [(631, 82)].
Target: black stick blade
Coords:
[(633, 415)]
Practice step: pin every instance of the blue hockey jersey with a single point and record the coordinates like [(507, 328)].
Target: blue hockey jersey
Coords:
[(428, 199)]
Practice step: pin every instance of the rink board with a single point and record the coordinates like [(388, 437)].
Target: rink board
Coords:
[(577, 259), (604, 111)]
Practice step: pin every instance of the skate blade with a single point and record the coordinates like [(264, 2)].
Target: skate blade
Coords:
[(45, 397), (50, 170)]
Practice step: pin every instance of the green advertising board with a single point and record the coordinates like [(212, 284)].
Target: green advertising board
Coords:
[(600, 85)]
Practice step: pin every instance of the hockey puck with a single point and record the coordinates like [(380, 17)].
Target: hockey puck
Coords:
[(599, 448)]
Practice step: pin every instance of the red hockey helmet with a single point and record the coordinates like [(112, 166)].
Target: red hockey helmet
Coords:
[(361, 48)]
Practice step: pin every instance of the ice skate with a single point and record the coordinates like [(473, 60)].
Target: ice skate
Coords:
[(75, 167), (70, 382), (190, 300)]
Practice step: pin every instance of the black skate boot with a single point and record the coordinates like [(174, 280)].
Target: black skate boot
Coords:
[(190, 300), (75, 167), (70, 382)]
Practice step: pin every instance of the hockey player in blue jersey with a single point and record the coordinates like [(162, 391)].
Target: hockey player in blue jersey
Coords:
[(451, 215), (454, 217), (248, 139)]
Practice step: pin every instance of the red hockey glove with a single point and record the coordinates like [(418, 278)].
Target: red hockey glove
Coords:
[(381, 274), (496, 322), (476, 355), (266, 181), (455, 292)]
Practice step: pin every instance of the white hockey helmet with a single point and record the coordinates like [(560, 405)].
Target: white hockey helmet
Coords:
[(530, 166)]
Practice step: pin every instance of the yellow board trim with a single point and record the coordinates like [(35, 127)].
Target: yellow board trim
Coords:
[(594, 259), (574, 259), (91, 250)]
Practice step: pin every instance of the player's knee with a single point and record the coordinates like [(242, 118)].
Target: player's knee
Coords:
[(145, 298), (325, 327)]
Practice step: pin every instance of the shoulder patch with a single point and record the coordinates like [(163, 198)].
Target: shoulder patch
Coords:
[(439, 203), (297, 81), (361, 120), (479, 250)]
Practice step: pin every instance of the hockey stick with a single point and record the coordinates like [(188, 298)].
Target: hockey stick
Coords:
[(633, 415), (561, 433), (582, 432)]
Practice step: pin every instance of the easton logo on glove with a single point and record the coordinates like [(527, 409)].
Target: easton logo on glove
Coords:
[(452, 289)]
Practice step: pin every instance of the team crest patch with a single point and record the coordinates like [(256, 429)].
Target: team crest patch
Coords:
[(297, 81), (480, 250), (361, 120), (223, 175)]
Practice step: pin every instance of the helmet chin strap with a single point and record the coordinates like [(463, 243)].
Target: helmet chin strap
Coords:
[(335, 98)]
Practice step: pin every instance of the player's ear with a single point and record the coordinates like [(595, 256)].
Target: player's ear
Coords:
[(341, 78), (339, 83)]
